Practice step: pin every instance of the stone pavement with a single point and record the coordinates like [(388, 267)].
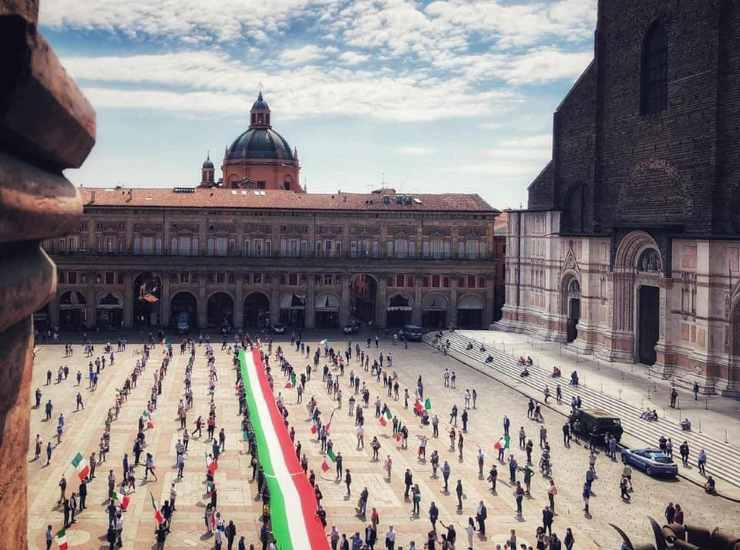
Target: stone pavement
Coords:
[(236, 493)]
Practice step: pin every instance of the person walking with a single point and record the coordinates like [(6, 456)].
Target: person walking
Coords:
[(459, 493), (701, 462), (433, 515)]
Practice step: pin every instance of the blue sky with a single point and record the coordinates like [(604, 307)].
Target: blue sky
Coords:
[(428, 96)]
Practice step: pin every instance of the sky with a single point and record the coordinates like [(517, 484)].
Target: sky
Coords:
[(422, 96)]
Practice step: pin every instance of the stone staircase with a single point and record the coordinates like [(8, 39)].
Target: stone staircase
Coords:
[(723, 458)]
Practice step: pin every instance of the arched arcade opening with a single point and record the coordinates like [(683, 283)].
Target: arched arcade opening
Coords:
[(256, 311)]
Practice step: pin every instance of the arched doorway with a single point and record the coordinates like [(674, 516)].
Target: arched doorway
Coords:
[(256, 311), (648, 310), (147, 293), (638, 275), (363, 290), (221, 312), (398, 312), (293, 310), (184, 312), (326, 308), (72, 315), (572, 303), (470, 312), (434, 311), (109, 311)]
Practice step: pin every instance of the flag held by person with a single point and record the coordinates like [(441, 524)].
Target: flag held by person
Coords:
[(81, 466), (313, 429), (331, 455), (428, 404), (388, 414), (122, 500), (61, 539), (158, 517), (324, 466), (382, 421)]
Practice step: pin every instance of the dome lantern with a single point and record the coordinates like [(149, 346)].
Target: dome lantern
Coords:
[(260, 113)]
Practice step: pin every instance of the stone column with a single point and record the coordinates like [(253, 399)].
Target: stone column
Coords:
[(310, 301), (239, 305), (380, 302), (275, 302), (46, 126), (202, 302), (128, 300), (164, 299), (490, 299), (346, 305), (416, 310), (452, 308)]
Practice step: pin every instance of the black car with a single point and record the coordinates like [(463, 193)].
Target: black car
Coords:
[(594, 424), (411, 332)]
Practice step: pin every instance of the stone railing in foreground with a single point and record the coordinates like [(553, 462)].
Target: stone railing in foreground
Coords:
[(46, 126)]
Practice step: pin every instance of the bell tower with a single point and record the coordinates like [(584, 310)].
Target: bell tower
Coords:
[(207, 173)]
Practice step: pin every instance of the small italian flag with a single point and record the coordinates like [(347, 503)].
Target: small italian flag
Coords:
[(428, 404), (61, 539), (502, 443), (331, 455), (81, 465), (122, 500), (158, 517)]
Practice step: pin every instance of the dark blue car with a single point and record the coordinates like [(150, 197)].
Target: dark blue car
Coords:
[(653, 462)]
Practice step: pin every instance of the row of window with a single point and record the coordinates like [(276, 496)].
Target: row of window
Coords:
[(435, 281), (289, 248), (287, 279)]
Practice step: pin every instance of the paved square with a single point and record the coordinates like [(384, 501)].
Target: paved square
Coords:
[(236, 495)]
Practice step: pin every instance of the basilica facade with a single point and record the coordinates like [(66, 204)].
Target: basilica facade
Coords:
[(252, 249), (630, 246)]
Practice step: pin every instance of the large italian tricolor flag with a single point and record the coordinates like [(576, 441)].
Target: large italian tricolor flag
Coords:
[(295, 524)]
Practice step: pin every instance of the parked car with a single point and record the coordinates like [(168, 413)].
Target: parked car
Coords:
[(278, 329), (594, 424), (352, 327), (653, 462), (411, 332)]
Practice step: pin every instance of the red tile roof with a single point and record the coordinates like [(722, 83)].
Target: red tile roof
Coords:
[(278, 199)]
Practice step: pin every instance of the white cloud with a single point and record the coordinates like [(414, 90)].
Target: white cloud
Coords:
[(520, 157), (352, 58), (415, 151), (300, 56), (214, 82), (202, 20)]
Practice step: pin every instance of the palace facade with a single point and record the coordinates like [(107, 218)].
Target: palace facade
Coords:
[(630, 246), (253, 249)]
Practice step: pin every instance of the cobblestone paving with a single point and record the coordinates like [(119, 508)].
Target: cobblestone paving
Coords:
[(236, 494)]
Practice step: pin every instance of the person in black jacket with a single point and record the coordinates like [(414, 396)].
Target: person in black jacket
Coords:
[(230, 534), (371, 536)]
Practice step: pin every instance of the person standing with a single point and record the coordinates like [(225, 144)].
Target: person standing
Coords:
[(49, 537), (459, 493), (446, 475), (433, 515), (519, 497), (230, 534), (481, 515), (390, 539), (586, 497), (701, 462), (547, 519), (552, 491)]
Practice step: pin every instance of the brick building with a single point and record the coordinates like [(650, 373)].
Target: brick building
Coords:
[(253, 249), (630, 246)]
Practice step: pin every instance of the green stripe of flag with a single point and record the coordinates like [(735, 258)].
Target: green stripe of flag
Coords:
[(78, 458), (331, 455), (278, 512)]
